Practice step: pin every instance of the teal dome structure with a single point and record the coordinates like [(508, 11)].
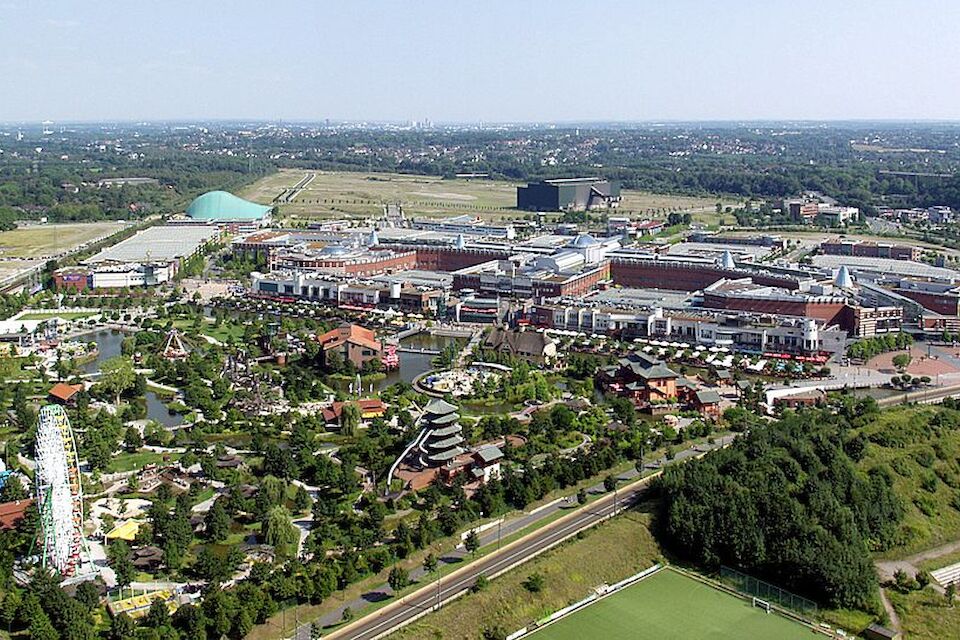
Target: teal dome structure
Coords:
[(220, 205)]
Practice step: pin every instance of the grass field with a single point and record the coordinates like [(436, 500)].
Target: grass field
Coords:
[(333, 194), (63, 315), (667, 606), (607, 553), (51, 239)]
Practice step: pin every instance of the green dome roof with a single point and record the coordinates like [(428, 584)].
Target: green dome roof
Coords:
[(220, 205)]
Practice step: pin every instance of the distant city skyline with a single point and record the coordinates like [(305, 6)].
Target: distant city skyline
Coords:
[(499, 62)]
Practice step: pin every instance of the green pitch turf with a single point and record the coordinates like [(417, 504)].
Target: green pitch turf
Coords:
[(671, 606)]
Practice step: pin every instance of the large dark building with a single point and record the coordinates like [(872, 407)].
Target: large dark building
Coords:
[(569, 194)]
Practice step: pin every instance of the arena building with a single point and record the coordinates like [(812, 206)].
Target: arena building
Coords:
[(569, 194), (225, 209)]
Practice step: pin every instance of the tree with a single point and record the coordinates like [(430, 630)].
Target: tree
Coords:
[(117, 375), (88, 595), (278, 531), (301, 499), (480, 584), (41, 628), (122, 627), (158, 615), (609, 483), (132, 440), (398, 578), (496, 632), (430, 563), (901, 361), (950, 593), (472, 542), (349, 419), (217, 521), (119, 555), (582, 496)]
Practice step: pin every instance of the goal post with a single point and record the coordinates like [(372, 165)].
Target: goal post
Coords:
[(763, 604)]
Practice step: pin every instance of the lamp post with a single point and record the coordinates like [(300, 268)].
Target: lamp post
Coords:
[(438, 578)]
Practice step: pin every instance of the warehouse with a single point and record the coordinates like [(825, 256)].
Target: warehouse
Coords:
[(569, 194)]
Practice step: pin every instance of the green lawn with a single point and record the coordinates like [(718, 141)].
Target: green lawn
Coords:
[(130, 461), (669, 605), (63, 315)]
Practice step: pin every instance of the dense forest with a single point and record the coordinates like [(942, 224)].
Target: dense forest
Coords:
[(787, 502)]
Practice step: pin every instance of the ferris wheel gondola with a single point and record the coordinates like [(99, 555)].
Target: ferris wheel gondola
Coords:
[(59, 492)]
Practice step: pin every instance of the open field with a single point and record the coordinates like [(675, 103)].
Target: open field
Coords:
[(611, 551), (925, 615), (670, 605), (335, 194), (52, 239)]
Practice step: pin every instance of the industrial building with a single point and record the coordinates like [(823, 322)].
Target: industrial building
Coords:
[(569, 194)]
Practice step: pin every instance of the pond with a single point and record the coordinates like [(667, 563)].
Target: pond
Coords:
[(411, 364), (108, 346)]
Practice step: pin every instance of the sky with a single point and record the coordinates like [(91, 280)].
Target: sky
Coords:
[(490, 61)]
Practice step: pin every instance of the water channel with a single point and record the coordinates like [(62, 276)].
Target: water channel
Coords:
[(108, 345)]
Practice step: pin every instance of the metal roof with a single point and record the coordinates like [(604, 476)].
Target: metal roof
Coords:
[(220, 205)]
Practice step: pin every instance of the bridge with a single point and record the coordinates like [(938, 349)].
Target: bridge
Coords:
[(423, 350)]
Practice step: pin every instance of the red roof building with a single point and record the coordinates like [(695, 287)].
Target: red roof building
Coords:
[(13, 512), (356, 344), (62, 393)]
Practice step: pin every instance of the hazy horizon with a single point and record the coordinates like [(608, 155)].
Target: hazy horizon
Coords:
[(612, 62)]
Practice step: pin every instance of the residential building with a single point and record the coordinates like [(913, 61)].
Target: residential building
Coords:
[(532, 346), (354, 344)]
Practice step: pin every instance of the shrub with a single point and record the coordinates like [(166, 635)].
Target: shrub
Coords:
[(534, 583)]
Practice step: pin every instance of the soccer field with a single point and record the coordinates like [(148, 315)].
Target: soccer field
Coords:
[(671, 606)]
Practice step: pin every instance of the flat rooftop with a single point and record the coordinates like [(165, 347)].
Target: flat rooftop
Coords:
[(642, 298), (418, 278), (716, 249), (887, 266), (160, 243)]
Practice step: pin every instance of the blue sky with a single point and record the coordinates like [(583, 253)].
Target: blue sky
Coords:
[(469, 61)]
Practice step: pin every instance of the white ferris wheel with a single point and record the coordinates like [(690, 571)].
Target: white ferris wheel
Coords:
[(59, 494)]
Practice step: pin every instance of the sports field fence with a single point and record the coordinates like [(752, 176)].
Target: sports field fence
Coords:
[(758, 588)]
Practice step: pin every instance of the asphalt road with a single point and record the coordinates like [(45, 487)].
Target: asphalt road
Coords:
[(425, 599)]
